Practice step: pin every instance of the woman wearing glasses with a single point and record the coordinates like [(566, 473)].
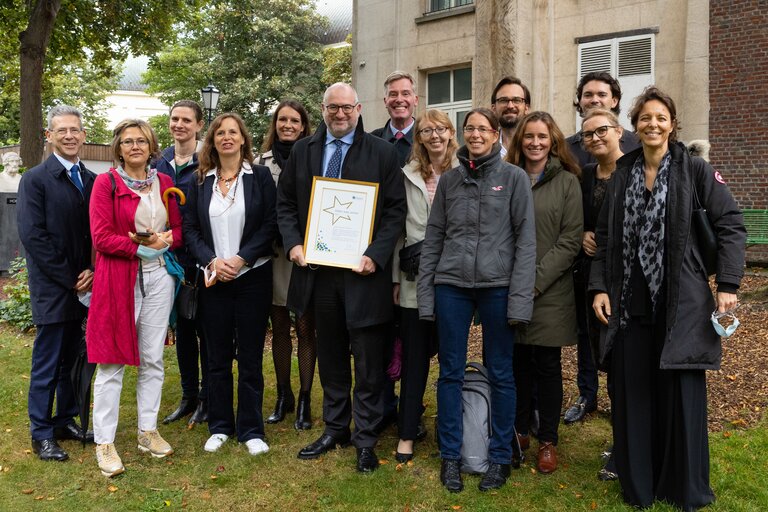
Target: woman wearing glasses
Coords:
[(230, 227), (132, 291), (538, 146), (652, 293), (434, 153), (290, 122), (478, 253)]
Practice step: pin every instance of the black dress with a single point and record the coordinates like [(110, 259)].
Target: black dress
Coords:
[(661, 447)]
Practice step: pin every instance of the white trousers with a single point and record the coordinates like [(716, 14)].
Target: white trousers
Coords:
[(151, 315)]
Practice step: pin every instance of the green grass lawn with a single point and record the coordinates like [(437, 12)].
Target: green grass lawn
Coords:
[(231, 480)]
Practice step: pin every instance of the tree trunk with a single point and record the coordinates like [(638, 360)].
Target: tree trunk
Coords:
[(34, 44)]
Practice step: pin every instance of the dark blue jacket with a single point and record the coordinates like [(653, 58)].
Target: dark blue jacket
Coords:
[(54, 227), (404, 145), (185, 180), (260, 227)]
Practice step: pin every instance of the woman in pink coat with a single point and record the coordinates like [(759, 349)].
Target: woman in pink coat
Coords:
[(132, 290)]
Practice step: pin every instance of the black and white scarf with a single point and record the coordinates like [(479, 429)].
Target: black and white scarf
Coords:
[(643, 231)]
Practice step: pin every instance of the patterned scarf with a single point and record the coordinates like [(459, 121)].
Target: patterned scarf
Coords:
[(137, 184), (644, 231)]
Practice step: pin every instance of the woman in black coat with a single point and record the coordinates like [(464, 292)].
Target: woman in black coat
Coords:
[(230, 225), (652, 293)]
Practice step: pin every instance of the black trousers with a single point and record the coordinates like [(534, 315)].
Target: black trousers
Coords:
[(660, 441), (418, 337), (538, 370), (335, 344), (190, 347), (233, 316)]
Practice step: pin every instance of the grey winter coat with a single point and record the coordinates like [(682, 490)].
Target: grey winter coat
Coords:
[(481, 234), (559, 227), (690, 342)]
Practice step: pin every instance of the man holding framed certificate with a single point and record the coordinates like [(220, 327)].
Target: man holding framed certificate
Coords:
[(352, 303)]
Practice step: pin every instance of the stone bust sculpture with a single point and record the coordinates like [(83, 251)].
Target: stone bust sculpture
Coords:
[(10, 178)]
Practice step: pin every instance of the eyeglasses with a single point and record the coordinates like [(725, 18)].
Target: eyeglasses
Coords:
[(600, 132), (128, 143), (515, 100), (347, 109), (427, 132), (482, 129), (725, 332), (62, 132)]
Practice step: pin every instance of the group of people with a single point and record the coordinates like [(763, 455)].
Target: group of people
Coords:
[(551, 241)]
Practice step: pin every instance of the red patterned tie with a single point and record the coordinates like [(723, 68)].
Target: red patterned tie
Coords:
[(399, 135)]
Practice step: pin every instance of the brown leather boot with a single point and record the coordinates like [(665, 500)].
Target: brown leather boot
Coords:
[(547, 462)]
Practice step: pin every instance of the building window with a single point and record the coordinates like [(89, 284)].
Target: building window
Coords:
[(451, 92), (442, 5), (630, 59)]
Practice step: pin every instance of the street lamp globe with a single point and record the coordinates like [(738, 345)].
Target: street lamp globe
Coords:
[(210, 96)]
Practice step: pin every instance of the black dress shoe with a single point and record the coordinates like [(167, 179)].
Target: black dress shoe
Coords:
[(186, 406), (49, 449), (495, 477), (323, 444), (303, 412), (577, 411), (402, 458), (284, 404), (450, 475), (421, 431), (200, 415), (367, 461), (71, 431)]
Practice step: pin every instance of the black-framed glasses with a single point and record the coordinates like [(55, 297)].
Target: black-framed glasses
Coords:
[(427, 132), (128, 143), (599, 131), (347, 109), (484, 130), (515, 100)]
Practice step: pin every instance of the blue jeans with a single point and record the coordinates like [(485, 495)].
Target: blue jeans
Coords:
[(454, 308)]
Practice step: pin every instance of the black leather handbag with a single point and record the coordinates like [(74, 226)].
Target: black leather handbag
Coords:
[(186, 299), (410, 258)]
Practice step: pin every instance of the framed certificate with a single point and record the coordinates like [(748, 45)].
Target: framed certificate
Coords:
[(340, 224)]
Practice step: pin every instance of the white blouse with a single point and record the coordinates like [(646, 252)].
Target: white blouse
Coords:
[(151, 215), (227, 215)]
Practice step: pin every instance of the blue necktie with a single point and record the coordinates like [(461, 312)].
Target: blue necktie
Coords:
[(74, 174), (334, 164)]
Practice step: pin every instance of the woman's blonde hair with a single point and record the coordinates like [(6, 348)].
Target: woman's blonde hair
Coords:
[(419, 152), (146, 130)]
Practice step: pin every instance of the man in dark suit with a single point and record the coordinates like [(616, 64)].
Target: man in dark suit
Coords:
[(400, 99), (598, 89), (352, 307), (55, 230)]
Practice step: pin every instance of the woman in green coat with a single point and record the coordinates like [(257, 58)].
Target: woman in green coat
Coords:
[(538, 146)]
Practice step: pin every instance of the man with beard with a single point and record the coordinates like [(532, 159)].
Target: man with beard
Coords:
[(510, 101)]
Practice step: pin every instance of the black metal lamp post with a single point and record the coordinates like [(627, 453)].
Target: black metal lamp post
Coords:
[(210, 99)]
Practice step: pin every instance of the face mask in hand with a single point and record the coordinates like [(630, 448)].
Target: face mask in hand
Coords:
[(725, 332)]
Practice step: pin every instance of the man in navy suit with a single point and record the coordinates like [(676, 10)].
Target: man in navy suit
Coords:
[(352, 307), (55, 230)]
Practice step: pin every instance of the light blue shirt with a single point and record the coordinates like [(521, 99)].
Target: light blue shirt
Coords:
[(404, 130), (66, 163), (330, 147)]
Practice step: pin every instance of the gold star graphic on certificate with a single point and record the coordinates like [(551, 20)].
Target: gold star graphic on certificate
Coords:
[(336, 215)]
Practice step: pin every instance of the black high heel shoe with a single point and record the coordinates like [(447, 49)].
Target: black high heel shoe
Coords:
[(284, 404), (200, 415), (303, 412)]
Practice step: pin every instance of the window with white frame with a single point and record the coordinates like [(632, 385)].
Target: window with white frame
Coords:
[(629, 59), (442, 5), (451, 91)]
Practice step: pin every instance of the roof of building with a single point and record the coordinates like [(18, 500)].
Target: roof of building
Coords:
[(338, 12)]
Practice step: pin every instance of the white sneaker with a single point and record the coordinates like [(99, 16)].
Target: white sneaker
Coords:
[(214, 442), (256, 446), (152, 442), (108, 459)]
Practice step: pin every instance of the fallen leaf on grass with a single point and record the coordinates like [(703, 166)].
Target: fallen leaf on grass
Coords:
[(727, 434), (7, 430), (214, 477), (739, 423), (27, 491), (731, 378), (112, 488), (39, 498), (561, 486), (167, 503), (27, 451), (219, 469), (456, 507), (383, 461), (26, 377), (593, 505), (50, 498), (399, 467), (579, 495), (205, 495)]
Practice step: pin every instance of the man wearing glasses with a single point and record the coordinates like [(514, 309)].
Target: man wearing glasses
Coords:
[(352, 307), (598, 90), (55, 229), (400, 99), (510, 101)]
